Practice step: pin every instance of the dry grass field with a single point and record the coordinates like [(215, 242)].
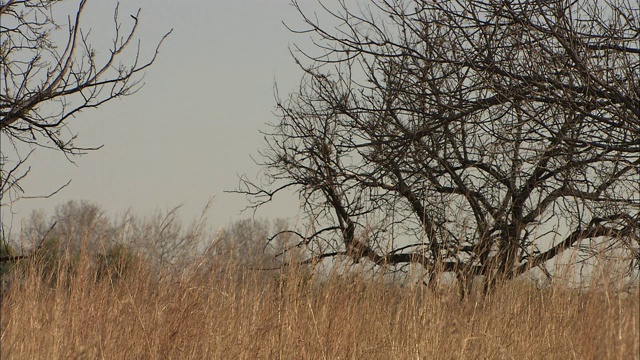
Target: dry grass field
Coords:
[(217, 310)]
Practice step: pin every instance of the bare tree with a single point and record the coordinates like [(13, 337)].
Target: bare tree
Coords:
[(474, 137), (51, 72), (244, 242)]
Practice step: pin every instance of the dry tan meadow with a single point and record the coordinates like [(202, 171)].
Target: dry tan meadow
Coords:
[(218, 310)]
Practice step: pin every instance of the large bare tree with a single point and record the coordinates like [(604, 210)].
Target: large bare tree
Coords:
[(474, 137), (51, 71)]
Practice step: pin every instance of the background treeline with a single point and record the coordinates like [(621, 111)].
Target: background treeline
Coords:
[(111, 247), (82, 230)]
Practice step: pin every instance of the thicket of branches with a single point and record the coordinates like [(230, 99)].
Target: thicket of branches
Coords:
[(51, 71), (474, 137)]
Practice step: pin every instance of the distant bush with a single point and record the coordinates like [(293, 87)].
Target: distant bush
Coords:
[(117, 261)]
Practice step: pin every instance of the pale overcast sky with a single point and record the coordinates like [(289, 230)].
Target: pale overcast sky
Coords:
[(192, 129)]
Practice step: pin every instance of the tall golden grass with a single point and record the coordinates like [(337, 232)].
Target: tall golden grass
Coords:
[(220, 310)]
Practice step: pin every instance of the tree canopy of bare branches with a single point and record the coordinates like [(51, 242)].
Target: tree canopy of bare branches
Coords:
[(51, 71), (477, 137)]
